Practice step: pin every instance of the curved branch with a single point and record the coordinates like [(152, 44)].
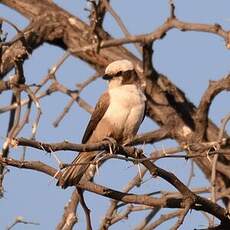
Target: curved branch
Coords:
[(214, 88)]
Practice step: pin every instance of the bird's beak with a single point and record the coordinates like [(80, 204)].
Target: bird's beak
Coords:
[(107, 77)]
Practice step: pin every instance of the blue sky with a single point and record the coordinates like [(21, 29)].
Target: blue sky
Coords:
[(189, 59)]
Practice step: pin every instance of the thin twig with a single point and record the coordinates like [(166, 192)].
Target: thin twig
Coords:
[(224, 122), (20, 220), (80, 87), (163, 219), (147, 219), (172, 9), (85, 208), (191, 174), (215, 160), (136, 181), (120, 23), (182, 216)]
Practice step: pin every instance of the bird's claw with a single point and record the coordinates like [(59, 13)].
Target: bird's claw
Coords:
[(112, 144)]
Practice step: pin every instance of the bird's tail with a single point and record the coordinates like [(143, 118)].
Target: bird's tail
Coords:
[(72, 174)]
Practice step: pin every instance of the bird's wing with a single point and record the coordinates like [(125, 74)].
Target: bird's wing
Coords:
[(99, 111), (145, 111)]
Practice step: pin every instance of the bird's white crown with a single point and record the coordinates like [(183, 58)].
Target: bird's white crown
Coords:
[(119, 66)]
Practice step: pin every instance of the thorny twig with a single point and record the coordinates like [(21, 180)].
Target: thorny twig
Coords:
[(201, 203)]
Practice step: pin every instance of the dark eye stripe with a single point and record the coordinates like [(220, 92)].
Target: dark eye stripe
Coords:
[(107, 77), (118, 73)]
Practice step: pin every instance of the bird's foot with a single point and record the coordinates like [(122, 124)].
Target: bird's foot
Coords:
[(127, 141), (113, 146)]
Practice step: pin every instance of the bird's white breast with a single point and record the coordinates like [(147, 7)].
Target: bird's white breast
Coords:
[(126, 109)]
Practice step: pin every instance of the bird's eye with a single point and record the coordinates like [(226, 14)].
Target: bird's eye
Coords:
[(118, 73), (127, 73)]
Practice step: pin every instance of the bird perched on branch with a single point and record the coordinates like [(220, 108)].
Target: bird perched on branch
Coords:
[(118, 115)]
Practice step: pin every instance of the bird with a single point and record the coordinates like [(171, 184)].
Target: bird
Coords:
[(118, 115)]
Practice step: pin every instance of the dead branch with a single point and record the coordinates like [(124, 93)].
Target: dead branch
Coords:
[(197, 202), (80, 87), (85, 208), (163, 219), (147, 219), (20, 220), (214, 88), (69, 218)]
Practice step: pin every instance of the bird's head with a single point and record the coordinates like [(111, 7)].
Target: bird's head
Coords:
[(119, 73)]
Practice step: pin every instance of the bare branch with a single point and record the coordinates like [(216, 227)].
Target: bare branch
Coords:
[(56, 86), (147, 219), (69, 218), (119, 22), (150, 137), (136, 181), (182, 215), (163, 219), (214, 88), (172, 9), (196, 202), (85, 208), (80, 86), (20, 220), (224, 122)]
